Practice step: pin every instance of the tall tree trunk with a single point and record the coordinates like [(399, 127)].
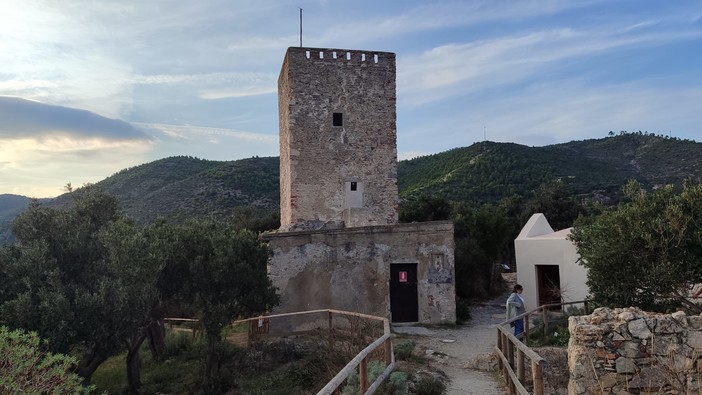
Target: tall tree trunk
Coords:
[(133, 361), (91, 360), (210, 360), (157, 343)]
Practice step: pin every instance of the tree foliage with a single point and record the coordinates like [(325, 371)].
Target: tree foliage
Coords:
[(26, 368), (226, 276), (559, 206), (80, 277), (425, 208), (648, 251), (94, 283), (63, 285), (483, 237)]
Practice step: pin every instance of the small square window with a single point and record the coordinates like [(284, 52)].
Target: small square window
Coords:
[(354, 186), (338, 119)]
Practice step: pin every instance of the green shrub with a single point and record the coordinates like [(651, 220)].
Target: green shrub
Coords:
[(574, 311), (562, 337), (375, 369), (403, 351), (430, 386), (27, 368), (397, 384), (557, 336), (177, 343)]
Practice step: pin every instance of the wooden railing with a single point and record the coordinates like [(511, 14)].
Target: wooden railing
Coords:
[(188, 325), (512, 353), (543, 311), (265, 327)]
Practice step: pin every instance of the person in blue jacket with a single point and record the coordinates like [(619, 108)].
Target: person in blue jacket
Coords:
[(515, 307)]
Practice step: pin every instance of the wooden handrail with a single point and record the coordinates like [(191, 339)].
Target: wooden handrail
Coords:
[(543, 310), (360, 360), (505, 349)]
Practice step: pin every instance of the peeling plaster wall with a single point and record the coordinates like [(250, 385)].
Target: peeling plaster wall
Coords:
[(317, 159), (348, 269)]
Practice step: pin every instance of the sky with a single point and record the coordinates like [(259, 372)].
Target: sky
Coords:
[(88, 88)]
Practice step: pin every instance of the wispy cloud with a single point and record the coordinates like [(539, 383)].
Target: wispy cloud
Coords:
[(187, 131), (531, 71), (459, 69), (550, 113), (211, 94), (443, 15), (22, 118)]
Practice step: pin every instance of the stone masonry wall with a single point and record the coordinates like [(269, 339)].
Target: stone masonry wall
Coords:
[(624, 351), (349, 269), (318, 161)]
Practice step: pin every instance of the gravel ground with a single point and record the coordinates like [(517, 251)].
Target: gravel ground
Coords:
[(453, 350)]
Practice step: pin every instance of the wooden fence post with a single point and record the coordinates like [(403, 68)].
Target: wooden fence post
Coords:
[(499, 347), (388, 351), (587, 308), (538, 378), (544, 314), (252, 336), (510, 353), (363, 376), (520, 365), (331, 333), (526, 330)]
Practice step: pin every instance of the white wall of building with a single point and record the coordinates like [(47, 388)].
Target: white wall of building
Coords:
[(538, 244)]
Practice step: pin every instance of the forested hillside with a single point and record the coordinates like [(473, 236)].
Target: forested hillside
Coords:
[(178, 188), (10, 206), (486, 172)]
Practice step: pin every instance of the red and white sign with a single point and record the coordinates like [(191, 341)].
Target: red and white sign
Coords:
[(403, 277)]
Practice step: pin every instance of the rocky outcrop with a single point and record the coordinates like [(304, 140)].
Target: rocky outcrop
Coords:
[(621, 351)]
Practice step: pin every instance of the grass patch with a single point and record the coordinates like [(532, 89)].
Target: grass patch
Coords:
[(182, 366), (557, 336), (276, 367)]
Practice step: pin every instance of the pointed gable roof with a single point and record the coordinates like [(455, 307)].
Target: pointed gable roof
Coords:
[(536, 226)]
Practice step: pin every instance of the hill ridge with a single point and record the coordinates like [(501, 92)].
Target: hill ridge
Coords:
[(180, 187)]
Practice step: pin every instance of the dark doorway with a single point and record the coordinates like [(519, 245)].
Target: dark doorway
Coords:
[(403, 292), (548, 280)]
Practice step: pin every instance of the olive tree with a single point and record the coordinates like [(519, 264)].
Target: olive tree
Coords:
[(221, 271), (647, 252), (80, 277)]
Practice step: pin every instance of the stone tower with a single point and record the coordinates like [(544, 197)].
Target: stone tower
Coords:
[(338, 155)]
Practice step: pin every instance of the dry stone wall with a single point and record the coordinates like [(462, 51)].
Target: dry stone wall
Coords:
[(622, 351)]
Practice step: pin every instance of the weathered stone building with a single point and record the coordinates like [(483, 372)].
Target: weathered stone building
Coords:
[(340, 245)]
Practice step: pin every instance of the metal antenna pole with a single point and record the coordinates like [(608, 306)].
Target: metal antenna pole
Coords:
[(300, 27)]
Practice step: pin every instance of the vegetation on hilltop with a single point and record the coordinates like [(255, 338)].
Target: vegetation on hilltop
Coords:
[(178, 188), (10, 207), (488, 172)]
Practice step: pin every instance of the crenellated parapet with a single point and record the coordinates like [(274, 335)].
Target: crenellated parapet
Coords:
[(351, 56)]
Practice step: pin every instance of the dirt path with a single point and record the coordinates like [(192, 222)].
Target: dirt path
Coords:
[(453, 349)]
